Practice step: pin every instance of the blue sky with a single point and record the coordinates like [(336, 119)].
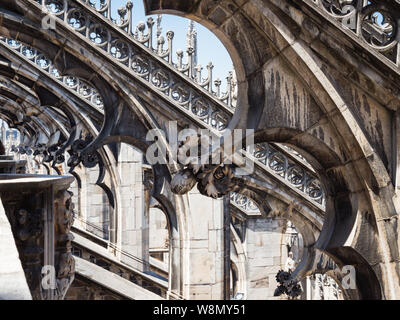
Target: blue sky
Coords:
[(210, 48)]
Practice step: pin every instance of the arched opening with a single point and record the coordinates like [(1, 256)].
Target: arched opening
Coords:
[(159, 237), (92, 205)]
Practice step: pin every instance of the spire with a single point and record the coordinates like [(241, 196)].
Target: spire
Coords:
[(3, 132), (159, 28), (191, 40)]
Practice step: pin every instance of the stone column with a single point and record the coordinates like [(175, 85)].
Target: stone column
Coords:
[(64, 261), (227, 247), (205, 250), (266, 255), (147, 187), (308, 288), (98, 207), (134, 224)]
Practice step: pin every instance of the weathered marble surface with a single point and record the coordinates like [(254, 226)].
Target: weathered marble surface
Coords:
[(13, 285)]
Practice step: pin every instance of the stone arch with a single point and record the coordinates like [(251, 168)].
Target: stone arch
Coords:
[(159, 236), (341, 217), (360, 166), (238, 261)]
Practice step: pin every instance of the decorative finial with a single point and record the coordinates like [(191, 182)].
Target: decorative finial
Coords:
[(191, 40), (159, 29), (122, 12), (141, 26), (150, 22), (170, 34)]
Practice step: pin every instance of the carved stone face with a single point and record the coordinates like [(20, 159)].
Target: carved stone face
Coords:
[(183, 182), (23, 215)]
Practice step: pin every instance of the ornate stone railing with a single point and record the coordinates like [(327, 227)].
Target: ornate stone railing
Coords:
[(292, 172), (135, 54), (122, 48), (244, 203), (82, 88), (297, 175), (371, 23), (295, 154), (197, 106), (189, 68), (273, 160)]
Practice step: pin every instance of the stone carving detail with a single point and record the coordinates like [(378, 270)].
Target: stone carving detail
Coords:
[(165, 80), (273, 160), (217, 181), (88, 160), (64, 261), (287, 285), (138, 35), (375, 23), (51, 150), (49, 154), (75, 84), (21, 149), (29, 232), (379, 27), (339, 8), (243, 202), (130, 51), (212, 180), (298, 176), (55, 6), (323, 284), (28, 221)]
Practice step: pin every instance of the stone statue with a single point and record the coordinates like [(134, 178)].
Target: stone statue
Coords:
[(290, 263)]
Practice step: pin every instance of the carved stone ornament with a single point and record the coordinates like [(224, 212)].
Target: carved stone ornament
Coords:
[(29, 232), (287, 286), (64, 261), (88, 160), (212, 180)]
